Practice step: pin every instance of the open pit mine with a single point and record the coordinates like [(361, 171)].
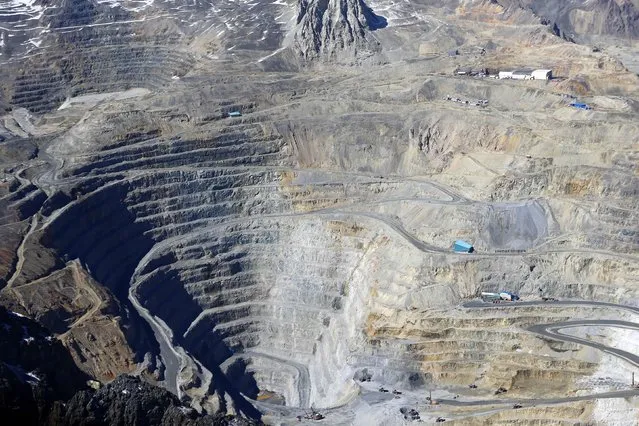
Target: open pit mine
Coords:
[(319, 212)]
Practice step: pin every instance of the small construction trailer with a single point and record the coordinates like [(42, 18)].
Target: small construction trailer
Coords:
[(508, 296), (502, 296), (235, 114), (461, 246)]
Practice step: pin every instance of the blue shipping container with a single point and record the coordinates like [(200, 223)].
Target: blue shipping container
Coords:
[(463, 247)]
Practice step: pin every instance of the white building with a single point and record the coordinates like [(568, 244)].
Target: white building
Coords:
[(541, 74), (526, 74), (522, 74)]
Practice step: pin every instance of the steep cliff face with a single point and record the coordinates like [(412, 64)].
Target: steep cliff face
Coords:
[(583, 19), (337, 30)]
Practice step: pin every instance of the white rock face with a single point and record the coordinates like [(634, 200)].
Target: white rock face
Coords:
[(615, 412)]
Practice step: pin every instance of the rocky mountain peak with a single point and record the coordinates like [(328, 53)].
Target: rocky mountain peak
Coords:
[(338, 30)]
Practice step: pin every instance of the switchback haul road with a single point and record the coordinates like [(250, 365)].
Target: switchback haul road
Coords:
[(554, 331)]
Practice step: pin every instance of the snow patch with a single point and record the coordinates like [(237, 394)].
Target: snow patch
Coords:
[(24, 376), (33, 376), (36, 42), (128, 5), (25, 336), (271, 55), (20, 6)]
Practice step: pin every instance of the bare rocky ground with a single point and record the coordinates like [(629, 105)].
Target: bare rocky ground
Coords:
[(300, 255)]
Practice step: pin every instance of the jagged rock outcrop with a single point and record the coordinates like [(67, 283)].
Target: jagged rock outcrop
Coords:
[(35, 371), (336, 30), (130, 401)]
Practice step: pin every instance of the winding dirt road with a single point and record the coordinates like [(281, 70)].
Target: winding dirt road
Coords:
[(20, 264), (554, 331), (82, 282)]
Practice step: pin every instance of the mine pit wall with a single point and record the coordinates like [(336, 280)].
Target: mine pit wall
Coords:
[(383, 282), (100, 232), (78, 58), (315, 284), (329, 369), (307, 322), (210, 265), (453, 351), (306, 301), (275, 375), (103, 234), (407, 286), (584, 274), (427, 282), (163, 295)]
